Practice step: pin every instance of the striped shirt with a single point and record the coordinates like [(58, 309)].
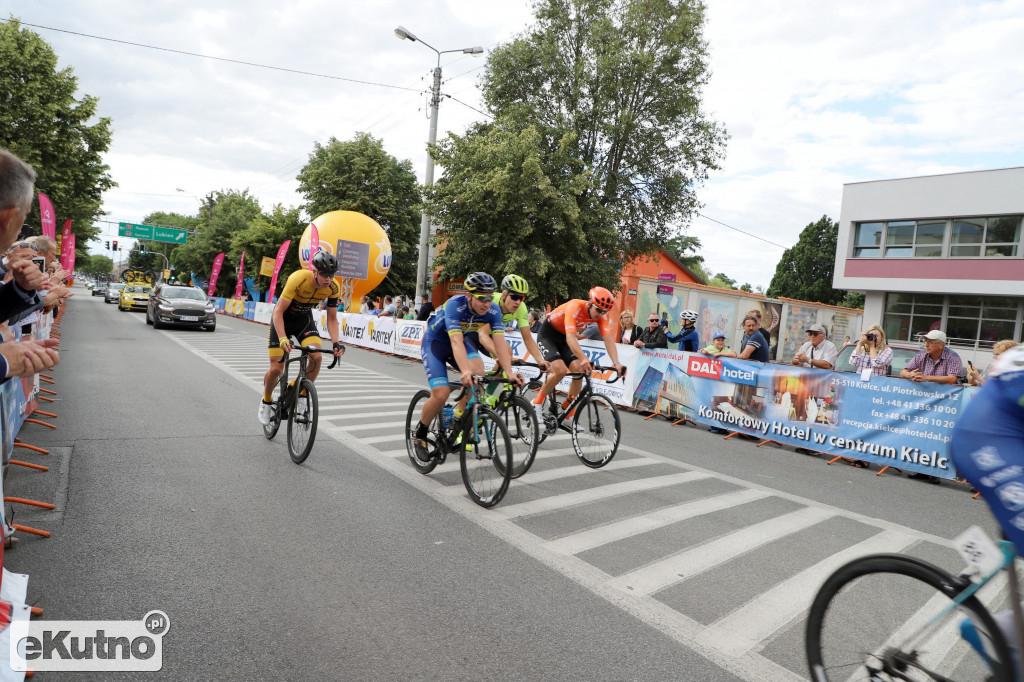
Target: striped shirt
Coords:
[(949, 364), (879, 364)]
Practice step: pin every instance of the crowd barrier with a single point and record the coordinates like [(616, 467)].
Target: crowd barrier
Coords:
[(882, 420), (20, 399)]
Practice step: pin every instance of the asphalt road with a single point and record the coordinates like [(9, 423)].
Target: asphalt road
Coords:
[(687, 558)]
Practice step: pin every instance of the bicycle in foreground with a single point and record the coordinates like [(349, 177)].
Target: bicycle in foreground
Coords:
[(591, 419), (479, 435), (285, 399), (922, 622)]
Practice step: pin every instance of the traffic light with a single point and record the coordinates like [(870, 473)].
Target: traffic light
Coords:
[(115, 246), (108, 245)]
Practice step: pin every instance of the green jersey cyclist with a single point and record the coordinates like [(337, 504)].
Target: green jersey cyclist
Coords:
[(293, 316), (514, 316)]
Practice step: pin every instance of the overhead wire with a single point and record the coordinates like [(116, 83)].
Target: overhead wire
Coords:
[(749, 234)]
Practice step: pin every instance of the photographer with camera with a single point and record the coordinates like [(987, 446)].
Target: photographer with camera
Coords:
[(872, 352)]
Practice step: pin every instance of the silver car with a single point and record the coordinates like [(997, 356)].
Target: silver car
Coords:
[(113, 293), (181, 306)]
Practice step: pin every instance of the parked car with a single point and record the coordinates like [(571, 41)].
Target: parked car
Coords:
[(100, 289), (113, 293), (134, 297), (181, 306), (902, 352)]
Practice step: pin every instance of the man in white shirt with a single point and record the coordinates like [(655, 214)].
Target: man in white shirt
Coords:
[(818, 352)]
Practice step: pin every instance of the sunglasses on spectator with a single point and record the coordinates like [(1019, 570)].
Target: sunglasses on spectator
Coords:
[(653, 320), (25, 245), (516, 297), (813, 333), (485, 298)]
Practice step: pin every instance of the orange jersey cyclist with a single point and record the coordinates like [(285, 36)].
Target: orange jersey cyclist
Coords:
[(559, 343), (293, 316), (452, 337)]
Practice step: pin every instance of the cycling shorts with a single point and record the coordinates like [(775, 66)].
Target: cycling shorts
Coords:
[(299, 325), (552, 344), (437, 354)]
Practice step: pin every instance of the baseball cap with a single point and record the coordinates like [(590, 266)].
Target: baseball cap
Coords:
[(816, 328), (717, 335), (936, 335)]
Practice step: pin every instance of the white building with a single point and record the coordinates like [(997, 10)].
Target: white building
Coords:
[(937, 252)]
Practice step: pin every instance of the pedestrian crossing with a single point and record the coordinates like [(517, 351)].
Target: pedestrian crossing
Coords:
[(725, 566)]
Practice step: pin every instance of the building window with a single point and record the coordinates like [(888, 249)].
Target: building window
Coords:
[(966, 320), (910, 239), (989, 237), (867, 240), (985, 237)]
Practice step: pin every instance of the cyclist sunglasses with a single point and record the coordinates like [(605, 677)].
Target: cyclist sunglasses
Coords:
[(600, 310), (517, 297), (485, 298)]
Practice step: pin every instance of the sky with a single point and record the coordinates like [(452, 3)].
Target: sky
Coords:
[(813, 94)]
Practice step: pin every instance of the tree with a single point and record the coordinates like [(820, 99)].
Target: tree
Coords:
[(94, 265), (509, 203), (263, 237), (360, 176), (619, 82), (43, 123), (680, 247), (805, 271)]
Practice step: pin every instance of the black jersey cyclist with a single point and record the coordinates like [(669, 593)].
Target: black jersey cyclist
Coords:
[(293, 316), (452, 337)]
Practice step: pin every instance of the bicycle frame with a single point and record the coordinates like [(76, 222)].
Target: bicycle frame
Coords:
[(287, 398), (562, 414)]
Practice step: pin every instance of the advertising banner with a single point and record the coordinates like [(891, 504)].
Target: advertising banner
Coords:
[(241, 276), (278, 262), (263, 313), (884, 420), (267, 267), (65, 243), (353, 328), (218, 263), (234, 306), (380, 334), (70, 266), (409, 337), (47, 216)]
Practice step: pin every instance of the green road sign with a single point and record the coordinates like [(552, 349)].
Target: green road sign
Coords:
[(136, 231), (168, 234), (157, 234)]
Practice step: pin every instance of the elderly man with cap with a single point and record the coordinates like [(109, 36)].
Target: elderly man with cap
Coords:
[(817, 352), (935, 363)]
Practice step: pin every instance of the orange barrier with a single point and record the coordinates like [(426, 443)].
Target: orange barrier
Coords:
[(29, 465), (33, 448), (30, 530), (41, 423), (31, 503)]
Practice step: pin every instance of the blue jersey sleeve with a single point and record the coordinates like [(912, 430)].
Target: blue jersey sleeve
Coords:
[(454, 314), (493, 318)]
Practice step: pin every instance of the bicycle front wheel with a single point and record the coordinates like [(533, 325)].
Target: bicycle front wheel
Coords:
[(520, 421), (595, 430), (270, 430), (435, 433), (486, 458), (302, 424), (891, 617)]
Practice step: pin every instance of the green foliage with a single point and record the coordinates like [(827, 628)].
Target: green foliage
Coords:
[(681, 246), (94, 265), (511, 203), (615, 85), (358, 175), (43, 123), (853, 299), (262, 238), (805, 271)]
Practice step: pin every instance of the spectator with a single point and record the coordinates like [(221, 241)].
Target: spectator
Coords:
[(629, 331), (976, 379), (364, 305), (756, 314), (872, 351), (935, 363), (19, 296), (717, 347), (753, 347), (534, 319), (653, 336), (406, 314), (389, 307), (818, 352), (426, 308), (688, 338)]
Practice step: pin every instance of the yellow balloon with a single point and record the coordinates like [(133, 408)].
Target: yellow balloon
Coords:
[(361, 246)]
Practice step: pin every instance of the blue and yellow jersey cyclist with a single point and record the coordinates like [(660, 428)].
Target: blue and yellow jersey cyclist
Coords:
[(452, 337)]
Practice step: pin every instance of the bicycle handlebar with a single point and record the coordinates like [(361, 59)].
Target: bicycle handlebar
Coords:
[(305, 350), (579, 375)]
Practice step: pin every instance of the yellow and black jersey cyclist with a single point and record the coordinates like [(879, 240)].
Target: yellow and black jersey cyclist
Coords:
[(293, 316)]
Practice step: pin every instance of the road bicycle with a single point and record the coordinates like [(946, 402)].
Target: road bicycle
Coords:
[(922, 623), (520, 420), (301, 423), (479, 435), (590, 418)]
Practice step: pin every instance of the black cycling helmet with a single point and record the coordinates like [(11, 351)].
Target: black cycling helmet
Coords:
[(324, 262), (480, 283)]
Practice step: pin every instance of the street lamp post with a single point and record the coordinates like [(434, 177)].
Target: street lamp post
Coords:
[(435, 99)]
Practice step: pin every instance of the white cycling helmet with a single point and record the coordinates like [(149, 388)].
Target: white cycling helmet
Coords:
[(688, 315)]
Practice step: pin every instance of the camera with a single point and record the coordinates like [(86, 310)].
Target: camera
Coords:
[(872, 337), (40, 263)]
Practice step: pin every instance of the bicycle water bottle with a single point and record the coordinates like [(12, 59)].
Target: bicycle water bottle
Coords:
[(449, 412)]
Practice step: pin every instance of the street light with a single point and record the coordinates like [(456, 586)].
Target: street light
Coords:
[(435, 99)]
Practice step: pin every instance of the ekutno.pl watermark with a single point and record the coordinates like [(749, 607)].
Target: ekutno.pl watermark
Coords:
[(89, 645)]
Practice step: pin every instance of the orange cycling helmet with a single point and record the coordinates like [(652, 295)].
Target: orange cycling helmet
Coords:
[(602, 298)]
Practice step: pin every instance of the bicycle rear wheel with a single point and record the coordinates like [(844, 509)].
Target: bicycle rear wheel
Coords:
[(302, 424), (486, 458), (520, 420), (595, 430), (435, 433), (871, 620), (270, 430)]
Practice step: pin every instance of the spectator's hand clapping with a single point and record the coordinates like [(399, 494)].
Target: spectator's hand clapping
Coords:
[(25, 358), (27, 275)]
